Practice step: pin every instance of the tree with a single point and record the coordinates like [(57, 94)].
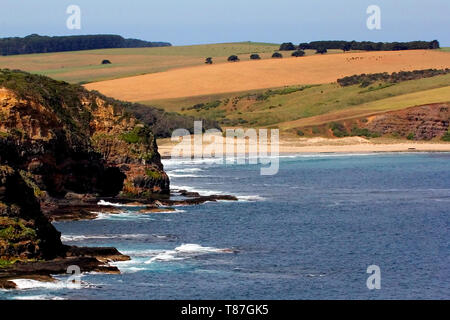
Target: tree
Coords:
[(208, 60), (347, 47), (233, 58), (287, 46), (304, 46), (321, 50), (277, 55), (255, 56), (298, 53)]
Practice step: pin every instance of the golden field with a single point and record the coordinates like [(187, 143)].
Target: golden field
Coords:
[(266, 73)]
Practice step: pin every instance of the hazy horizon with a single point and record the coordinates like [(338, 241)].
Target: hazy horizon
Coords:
[(204, 22)]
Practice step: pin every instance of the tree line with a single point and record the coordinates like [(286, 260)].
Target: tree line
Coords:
[(365, 80), (40, 44), (362, 45)]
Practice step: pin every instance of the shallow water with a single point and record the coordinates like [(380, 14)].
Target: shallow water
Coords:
[(309, 232)]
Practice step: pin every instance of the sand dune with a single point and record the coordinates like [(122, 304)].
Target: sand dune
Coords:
[(268, 73)]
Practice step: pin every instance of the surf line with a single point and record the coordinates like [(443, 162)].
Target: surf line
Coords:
[(240, 146), (193, 310)]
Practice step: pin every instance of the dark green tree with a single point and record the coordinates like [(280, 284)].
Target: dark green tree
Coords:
[(321, 50), (287, 46), (298, 53), (277, 55), (233, 58)]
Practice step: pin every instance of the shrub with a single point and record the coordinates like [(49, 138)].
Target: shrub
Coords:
[(255, 56), (106, 62), (287, 46), (277, 55), (208, 60), (233, 58), (321, 50), (446, 136), (411, 136), (338, 129), (300, 133), (298, 53)]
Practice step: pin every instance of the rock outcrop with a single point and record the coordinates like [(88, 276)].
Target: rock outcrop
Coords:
[(62, 143), (25, 234), (420, 123), (64, 138)]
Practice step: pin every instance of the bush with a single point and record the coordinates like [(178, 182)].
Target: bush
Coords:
[(338, 129), (298, 53), (321, 50), (255, 56), (208, 60), (233, 58), (411, 136), (287, 46), (300, 133), (277, 55), (395, 77), (446, 136), (106, 62)]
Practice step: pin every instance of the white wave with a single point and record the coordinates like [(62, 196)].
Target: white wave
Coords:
[(119, 205), (174, 175), (251, 198), (38, 297), (196, 248), (202, 192), (185, 170), (70, 237), (30, 284), (185, 251), (134, 215)]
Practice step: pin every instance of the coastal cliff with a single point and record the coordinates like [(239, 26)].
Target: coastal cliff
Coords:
[(64, 139), (60, 142)]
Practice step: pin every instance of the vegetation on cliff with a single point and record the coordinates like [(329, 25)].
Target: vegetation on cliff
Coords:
[(64, 138)]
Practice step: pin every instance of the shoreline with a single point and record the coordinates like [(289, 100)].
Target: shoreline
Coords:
[(321, 145)]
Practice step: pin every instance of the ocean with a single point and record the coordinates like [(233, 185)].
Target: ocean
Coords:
[(309, 232)]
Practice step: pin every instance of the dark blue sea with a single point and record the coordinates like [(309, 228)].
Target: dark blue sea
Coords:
[(309, 232)]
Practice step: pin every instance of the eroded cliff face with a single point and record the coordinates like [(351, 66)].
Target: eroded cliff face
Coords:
[(66, 139), (25, 234), (421, 123)]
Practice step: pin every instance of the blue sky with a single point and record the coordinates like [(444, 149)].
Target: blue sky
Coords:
[(211, 21)]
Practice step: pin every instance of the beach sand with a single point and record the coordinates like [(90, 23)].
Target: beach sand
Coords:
[(290, 145)]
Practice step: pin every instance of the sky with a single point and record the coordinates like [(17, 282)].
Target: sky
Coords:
[(184, 22)]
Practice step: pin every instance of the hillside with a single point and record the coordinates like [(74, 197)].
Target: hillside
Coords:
[(266, 73), (35, 43), (85, 66), (313, 107)]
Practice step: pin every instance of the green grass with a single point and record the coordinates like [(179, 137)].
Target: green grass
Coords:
[(279, 106), (85, 66), (445, 49)]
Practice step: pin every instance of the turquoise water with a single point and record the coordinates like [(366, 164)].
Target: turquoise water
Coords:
[(309, 232)]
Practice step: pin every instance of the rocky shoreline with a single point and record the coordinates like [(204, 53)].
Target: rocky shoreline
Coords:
[(88, 207), (93, 259)]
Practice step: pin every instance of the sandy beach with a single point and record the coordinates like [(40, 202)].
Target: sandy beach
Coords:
[(289, 145)]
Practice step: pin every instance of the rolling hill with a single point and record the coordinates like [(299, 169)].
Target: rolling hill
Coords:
[(266, 73)]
